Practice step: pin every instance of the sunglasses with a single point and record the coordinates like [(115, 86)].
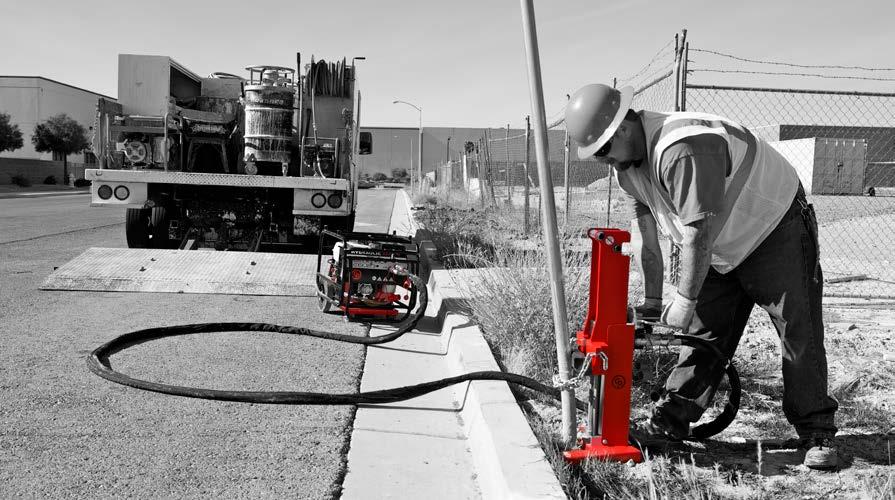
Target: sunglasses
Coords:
[(604, 150)]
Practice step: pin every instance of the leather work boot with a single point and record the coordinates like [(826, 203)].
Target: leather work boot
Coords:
[(821, 454), (658, 428)]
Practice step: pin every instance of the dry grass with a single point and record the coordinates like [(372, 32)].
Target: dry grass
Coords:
[(858, 407), (512, 305)]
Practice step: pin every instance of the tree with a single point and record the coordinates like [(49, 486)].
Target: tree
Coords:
[(400, 174), (10, 135), (379, 177), (62, 135)]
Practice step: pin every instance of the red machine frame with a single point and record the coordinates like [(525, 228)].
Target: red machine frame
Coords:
[(337, 287), (606, 341)]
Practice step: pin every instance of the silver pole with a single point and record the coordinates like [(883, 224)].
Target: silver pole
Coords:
[(419, 164), (548, 214)]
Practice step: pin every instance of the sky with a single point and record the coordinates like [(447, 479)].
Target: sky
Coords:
[(462, 61)]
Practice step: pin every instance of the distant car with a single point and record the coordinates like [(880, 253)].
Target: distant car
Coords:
[(366, 184)]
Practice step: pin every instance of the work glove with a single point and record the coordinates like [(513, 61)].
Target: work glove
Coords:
[(650, 310), (680, 312)]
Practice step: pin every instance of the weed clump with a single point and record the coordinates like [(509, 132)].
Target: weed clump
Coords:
[(20, 180)]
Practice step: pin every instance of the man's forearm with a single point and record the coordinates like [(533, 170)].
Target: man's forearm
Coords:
[(696, 257), (648, 256)]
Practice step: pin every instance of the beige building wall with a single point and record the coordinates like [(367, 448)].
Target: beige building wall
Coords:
[(30, 100)]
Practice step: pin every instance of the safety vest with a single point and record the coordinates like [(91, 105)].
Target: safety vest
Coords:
[(757, 192)]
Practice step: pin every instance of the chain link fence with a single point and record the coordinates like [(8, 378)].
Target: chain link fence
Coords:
[(842, 144)]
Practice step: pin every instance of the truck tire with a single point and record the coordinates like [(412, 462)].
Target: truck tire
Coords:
[(158, 228), (136, 228)]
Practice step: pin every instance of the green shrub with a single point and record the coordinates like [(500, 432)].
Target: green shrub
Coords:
[(81, 182), (21, 180), (50, 179)]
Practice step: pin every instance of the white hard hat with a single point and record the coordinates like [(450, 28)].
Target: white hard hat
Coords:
[(594, 113)]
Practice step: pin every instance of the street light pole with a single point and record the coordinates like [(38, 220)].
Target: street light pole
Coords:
[(419, 164), (411, 166), (447, 152)]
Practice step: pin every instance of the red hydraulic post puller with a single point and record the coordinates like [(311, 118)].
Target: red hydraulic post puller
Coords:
[(607, 343)]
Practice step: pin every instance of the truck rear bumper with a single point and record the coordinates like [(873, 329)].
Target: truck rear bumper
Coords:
[(137, 182)]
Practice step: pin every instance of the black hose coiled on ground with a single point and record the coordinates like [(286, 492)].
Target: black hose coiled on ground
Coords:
[(99, 363), (729, 413)]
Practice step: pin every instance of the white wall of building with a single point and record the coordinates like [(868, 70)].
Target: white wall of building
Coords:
[(32, 100)]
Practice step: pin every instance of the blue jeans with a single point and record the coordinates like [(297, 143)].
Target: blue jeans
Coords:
[(783, 277)]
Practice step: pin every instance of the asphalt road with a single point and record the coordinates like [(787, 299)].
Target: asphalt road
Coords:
[(67, 433)]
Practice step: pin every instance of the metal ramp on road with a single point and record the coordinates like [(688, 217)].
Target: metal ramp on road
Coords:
[(187, 271)]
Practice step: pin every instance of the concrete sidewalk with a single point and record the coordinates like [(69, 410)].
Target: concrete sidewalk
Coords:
[(39, 190), (466, 441)]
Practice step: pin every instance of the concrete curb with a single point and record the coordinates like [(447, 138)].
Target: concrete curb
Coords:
[(507, 456)]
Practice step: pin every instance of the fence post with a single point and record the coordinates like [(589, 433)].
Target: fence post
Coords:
[(490, 161), (672, 274), (525, 181), (480, 173), (507, 149), (677, 72), (566, 166), (686, 55)]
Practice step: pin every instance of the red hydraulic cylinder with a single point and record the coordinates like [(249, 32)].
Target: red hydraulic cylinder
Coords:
[(609, 340)]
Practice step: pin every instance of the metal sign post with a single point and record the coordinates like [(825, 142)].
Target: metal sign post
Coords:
[(548, 215)]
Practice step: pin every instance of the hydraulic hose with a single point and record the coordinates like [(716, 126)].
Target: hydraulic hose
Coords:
[(732, 406), (99, 363), (729, 413)]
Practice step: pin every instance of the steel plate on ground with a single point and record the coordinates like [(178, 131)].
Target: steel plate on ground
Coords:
[(187, 271)]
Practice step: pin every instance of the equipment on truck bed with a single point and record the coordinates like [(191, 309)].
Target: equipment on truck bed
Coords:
[(226, 162), (367, 274)]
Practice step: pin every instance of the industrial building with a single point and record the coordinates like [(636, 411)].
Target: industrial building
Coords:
[(835, 159), (30, 100)]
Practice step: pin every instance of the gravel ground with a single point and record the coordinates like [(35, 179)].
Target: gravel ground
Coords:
[(66, 433)]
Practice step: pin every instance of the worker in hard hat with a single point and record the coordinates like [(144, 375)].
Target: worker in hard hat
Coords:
[(747, 236)]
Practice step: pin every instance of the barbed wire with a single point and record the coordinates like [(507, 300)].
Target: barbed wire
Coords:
[(778, 63), (645, 68), (554, 116), (650, 78), (498, 139), (787, 73)]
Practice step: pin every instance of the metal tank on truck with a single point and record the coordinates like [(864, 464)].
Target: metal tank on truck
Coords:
[(269, 98), (228, 162)]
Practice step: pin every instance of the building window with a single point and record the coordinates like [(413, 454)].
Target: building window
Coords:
[(57, 156), (89, 158)]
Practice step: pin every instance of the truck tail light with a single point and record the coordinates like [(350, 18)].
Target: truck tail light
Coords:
[(335, 200), (122, 192), (104, 192)]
